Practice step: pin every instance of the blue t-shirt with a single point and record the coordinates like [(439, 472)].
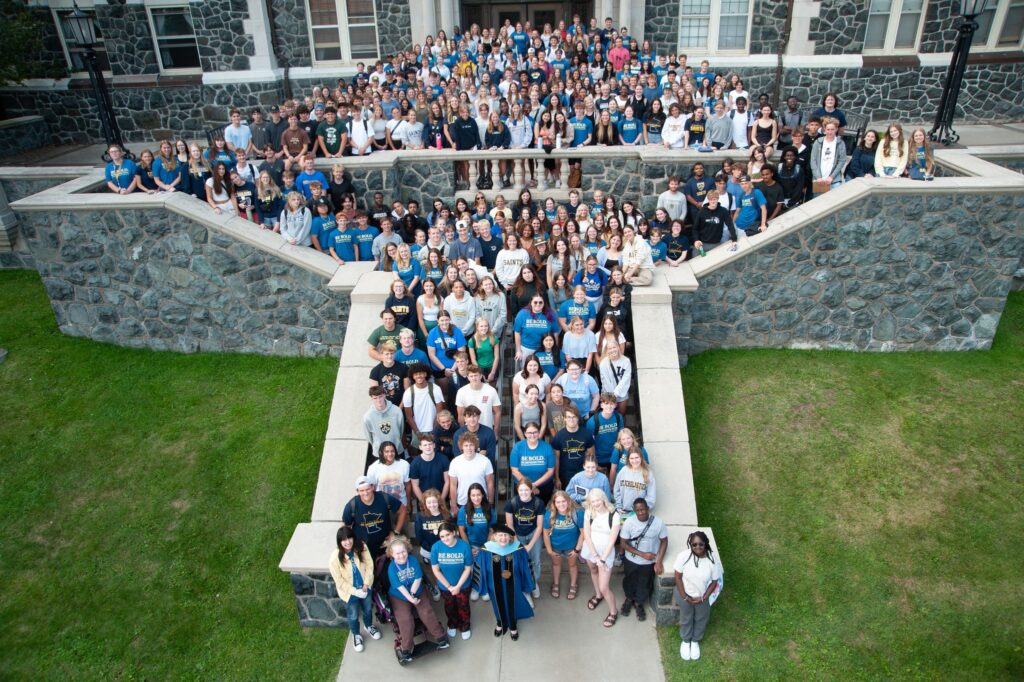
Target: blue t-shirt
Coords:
[(451, 560), (405, 575), (303, 180), (593, 284), (630, 129), (364, 240), (580, 392), (565, 530), (521, 40), (442, 342), (429, 474), (606, 432), (549, 362), (410, 273), (322, 229), (532, 329), (750, 209), (570, 309), (343, 243), (123, 175), (417, 356), (621, 457), (532, 463), (167, 175), (582, 129), (478, 526)]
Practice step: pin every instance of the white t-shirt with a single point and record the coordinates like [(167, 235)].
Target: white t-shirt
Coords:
[(390, 478), (486, 399), (697, 575), (423, 402), (741, 129), (828, 157), (542, 384), (468, 472)]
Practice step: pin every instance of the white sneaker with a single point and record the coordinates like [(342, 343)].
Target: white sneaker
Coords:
[(536, 593), (374, 632), (357, 643), (558, 184), (543, 185), (695, 650), (684, 651), (485, 597), (473, 595), (452, 632), (467, 634)]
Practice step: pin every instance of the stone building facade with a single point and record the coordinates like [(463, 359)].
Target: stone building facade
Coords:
[(249, 53)]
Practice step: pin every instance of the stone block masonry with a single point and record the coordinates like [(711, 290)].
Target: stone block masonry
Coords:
[(155, 279), (894, 272)]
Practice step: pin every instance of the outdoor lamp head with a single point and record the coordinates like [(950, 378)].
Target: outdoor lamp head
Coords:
[(972, 8), (83, 30)]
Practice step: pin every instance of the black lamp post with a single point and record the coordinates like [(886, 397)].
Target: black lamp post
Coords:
[(943, 131), (83, 34)]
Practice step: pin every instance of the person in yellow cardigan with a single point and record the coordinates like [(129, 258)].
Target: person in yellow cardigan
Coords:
[(352, 569)]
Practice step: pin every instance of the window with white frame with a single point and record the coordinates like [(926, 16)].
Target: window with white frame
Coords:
[(174, 37), (894, 25), (342, 30), (714, 26), (74, 54), (1000, 25)]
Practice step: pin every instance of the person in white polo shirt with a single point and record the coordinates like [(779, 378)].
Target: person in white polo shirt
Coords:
[(481, 394)]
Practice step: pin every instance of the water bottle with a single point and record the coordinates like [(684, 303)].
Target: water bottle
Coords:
[(702, 252), (437, 140), (558, 141)]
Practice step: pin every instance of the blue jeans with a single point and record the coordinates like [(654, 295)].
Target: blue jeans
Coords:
[(353, 606)]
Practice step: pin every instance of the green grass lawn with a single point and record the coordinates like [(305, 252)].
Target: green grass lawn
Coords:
[(145, 500), (868, 509)]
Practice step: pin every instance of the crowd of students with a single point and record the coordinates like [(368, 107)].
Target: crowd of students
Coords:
[(552, 279)]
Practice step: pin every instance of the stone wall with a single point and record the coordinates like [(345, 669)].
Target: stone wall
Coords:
[(839, 27), (317, 601), (18, 137), (890, 273), (144, 113), (661, 24), (127, 37), (292, 44), (223, 43), (424, 181), (154, 279), (940, 26), (394, 26), (767, 25)]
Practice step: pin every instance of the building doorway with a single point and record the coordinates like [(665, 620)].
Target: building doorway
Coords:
[(494, 14)]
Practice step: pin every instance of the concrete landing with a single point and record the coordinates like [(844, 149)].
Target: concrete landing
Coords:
[(549, 647)]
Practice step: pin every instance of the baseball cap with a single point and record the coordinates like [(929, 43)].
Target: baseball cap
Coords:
[(275, 109), (361, 481)]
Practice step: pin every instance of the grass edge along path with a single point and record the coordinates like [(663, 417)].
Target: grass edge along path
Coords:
[(869, 510), (145, 499)]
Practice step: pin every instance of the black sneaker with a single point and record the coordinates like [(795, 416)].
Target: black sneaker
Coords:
[(444, 643), (404, 658), (627, 606), (641, 614)]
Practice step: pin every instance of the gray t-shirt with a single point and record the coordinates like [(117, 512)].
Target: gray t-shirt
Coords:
[(632, 528)]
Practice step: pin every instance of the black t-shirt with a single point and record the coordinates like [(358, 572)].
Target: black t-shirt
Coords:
[(490, 248), (372, 522), (773, 195), (404, 309), (571, 448), (391, 380), (525, 514)]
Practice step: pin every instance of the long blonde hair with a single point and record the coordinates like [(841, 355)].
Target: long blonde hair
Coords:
[(887, 142)]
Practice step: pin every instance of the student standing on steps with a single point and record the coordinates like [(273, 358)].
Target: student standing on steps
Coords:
[(451, 560), (351, 567), (644, 538), (524, 513)]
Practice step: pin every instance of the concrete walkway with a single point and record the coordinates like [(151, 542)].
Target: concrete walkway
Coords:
[(562, 641), (979, 135)]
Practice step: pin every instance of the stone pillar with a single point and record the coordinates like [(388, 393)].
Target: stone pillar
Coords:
[(449, 12), (626, 16), (258, 26), (799, 32), (421, 13), (8, 224)]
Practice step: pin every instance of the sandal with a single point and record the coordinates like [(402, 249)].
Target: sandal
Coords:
[(554, 592), (572, 592), (610, 619), (594, 602)]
